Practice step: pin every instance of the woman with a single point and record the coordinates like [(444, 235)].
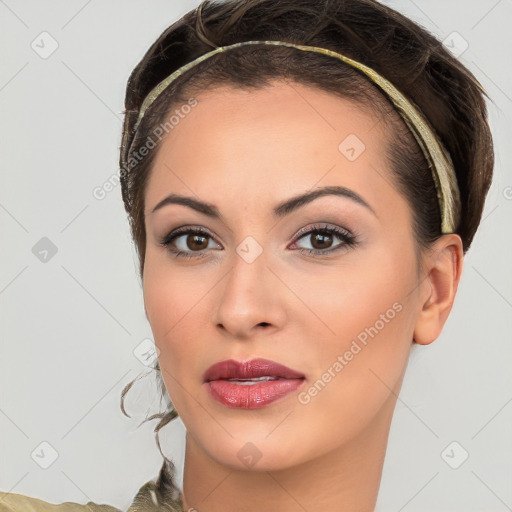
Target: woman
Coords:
[(301, 205)]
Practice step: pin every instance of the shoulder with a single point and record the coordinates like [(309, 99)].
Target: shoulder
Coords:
[(11, 502), (160, 496)]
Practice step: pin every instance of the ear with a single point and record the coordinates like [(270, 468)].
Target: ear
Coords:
[(442, 268)]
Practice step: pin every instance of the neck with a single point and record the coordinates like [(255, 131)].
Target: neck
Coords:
[(346, 478)]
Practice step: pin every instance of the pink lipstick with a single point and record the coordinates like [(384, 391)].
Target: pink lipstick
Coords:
[(250, 384)]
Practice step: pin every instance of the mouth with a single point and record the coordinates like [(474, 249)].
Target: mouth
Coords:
[(251, 384), (253, 370), (248, 382)]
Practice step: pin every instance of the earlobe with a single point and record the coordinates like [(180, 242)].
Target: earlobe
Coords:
[(443, 267)]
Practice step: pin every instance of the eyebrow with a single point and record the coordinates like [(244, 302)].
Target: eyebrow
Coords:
[(281, 210)]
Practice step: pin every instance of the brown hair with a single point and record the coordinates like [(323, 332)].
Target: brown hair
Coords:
[(403, 52)]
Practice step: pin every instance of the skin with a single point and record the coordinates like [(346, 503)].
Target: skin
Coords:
[(245, 152)]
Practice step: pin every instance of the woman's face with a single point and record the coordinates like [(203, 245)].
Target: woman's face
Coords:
[(337, 307)]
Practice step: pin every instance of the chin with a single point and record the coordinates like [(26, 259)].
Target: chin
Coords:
[(258, 452)]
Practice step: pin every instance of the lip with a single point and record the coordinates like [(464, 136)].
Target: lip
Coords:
[(254, 368), (250, 396)]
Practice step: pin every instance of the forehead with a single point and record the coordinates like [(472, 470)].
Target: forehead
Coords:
[(286, 136)]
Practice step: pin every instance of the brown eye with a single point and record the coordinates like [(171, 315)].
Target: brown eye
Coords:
[(196, 242), (321, 241), (322, 238), (189, 242)]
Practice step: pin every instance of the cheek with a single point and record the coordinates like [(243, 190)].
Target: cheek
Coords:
[(363, 298), (175, 304), (170, 292), (361, 364), (163, 309), (360, 369)]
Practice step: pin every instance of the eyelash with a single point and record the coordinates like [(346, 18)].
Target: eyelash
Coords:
[(348, 240)]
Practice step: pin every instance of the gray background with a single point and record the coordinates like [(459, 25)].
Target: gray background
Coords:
[(69, 325)]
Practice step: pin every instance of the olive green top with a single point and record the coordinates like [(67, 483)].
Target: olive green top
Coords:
[(146, 500)]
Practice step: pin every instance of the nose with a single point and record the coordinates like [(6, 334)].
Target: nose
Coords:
[(252, 298)]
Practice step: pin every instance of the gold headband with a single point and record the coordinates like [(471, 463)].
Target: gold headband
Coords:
[(438, 159)]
